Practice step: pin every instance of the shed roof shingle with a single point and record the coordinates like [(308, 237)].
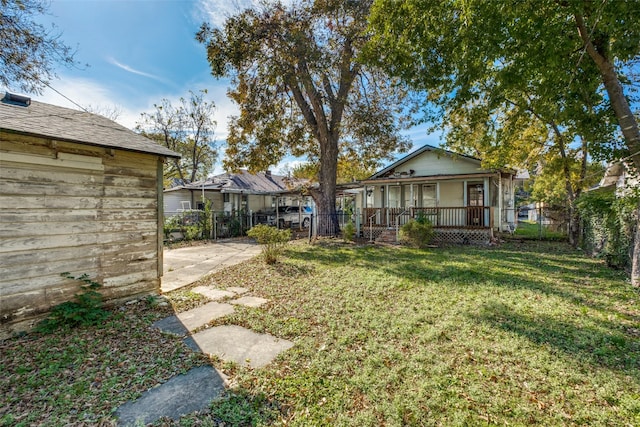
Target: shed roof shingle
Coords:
[(65, 124)]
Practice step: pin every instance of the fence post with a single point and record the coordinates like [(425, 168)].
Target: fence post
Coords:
[(539, 222), (310, 227), (215, 226), (371, 228)]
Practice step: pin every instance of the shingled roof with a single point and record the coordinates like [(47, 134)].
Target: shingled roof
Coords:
[(245, 182), (64, 124)]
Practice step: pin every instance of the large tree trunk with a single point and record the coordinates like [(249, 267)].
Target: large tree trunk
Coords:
[(573, 217), (325, 195), (626, 119)]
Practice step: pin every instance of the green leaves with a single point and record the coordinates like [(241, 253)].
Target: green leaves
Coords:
[(28, 50), (86, 310), (301, 89), (272, 240)]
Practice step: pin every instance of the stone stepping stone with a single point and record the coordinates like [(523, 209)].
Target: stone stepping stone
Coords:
[(238, 290), (181, 395), (238, 344), (249, 301), (182, 323), (213, 293)]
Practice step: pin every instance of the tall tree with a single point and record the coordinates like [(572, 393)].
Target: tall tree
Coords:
[(301, 90), (187, 129), (611, 34), (539, 46), (28, 50), (349, 169)]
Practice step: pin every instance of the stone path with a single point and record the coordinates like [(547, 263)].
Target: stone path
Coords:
[(184, 266), (179, 396), (194, 391)]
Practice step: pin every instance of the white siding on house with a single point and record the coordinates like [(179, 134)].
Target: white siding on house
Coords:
[(429, 163), (173, 200), (260, 202), (451, 194)]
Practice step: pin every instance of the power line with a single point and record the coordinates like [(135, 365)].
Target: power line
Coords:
[(66, 97)]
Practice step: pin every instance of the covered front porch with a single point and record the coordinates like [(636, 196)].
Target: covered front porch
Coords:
[(452, 225), (461, 208), (469, 217)]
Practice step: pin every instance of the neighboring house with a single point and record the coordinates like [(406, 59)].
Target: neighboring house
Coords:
[(233, 193), (618, 177), (463, 201), (80, 194)]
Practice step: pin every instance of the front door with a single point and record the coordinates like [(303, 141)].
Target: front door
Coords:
[(475, 204)]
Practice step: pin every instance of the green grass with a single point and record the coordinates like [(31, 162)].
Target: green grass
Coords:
[(80, 376), (533, 230), (520, 334)]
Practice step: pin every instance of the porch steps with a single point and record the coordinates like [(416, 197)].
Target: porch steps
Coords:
[(387, 236)]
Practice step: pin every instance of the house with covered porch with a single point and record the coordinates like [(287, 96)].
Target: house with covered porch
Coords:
[(238, 201), (465, 202)]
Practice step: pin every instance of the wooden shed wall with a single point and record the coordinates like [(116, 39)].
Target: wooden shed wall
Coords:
[(68, 207)]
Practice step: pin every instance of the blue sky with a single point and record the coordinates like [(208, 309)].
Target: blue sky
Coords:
[(141, 51)]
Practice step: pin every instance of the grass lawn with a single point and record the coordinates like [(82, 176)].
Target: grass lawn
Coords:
[(533, 230), (527, 333)]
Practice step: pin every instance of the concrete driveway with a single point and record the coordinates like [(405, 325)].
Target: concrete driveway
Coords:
[(184, 266)]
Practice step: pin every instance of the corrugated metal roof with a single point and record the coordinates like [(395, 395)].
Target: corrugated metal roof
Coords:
[(65, 124), (248, 183)]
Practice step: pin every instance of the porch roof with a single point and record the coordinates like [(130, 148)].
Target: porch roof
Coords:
[(414, 179)]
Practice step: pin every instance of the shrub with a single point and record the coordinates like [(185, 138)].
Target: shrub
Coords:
[(205, 220), (172, 223), (86, 310), (349, 232), (191, 232), (271, 239), (609, 225), (417, 233)]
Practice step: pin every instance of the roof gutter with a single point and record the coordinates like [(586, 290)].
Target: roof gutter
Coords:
[(174, 155), (428, 178)]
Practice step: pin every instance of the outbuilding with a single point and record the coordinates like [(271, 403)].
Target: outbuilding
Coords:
[(79, 194)]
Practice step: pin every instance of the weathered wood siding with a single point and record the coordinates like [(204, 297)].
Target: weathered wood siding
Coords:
[(74, 208)]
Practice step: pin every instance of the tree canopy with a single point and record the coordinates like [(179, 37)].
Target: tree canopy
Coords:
[(28, 50), (187, 129), (302, 91), (512, 80), (534, 67)]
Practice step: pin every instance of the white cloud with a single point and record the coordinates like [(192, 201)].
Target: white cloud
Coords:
[(80, 93), (288, 164), (73, 92), (132, 70), (217, 11)]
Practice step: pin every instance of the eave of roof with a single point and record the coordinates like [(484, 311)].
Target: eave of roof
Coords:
[(64, 124), (387, 180)]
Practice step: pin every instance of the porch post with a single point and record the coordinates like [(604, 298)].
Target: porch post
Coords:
[(412, 205), (385, 199), (486, 201), (500, 201), (465, 202)]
